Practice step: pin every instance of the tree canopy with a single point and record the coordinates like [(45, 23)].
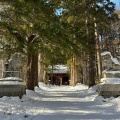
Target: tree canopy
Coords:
[(32, 27)]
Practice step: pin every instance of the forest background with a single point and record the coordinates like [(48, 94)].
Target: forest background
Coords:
[(33, 29)]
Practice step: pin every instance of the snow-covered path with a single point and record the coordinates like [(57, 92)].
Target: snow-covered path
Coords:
[(59, 103)]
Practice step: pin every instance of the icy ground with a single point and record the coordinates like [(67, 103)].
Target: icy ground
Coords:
[(60, 103)]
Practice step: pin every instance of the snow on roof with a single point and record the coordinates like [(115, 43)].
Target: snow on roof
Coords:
[(115, 60), (58, 69)]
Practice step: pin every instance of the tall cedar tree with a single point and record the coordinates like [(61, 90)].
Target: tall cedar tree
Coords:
[(81, 18), (34, 26), (31, 26)]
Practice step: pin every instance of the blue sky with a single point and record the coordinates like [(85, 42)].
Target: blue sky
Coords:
[(117, 2)]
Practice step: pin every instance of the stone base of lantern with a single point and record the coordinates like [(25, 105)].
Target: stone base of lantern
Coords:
[(12, 86), (109, 90)]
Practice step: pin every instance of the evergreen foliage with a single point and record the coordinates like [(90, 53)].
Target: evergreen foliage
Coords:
[(33, 27), (29, 27)]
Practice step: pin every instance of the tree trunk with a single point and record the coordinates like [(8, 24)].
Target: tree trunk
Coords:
[(98, 52), (45, 76), (84, 69), (30, 81), (52, 73), (91, 69), (74, 74), (32, 71), (35, 67), (41, 67), (91, 54), (32, 65)]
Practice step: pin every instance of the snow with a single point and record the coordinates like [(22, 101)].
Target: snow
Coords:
[(11, 81), (112, 72), (11, 78), (115, 60), (110, 80), (58, 69), (59, 103)]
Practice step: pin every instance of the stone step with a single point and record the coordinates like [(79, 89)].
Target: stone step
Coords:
[(111, 74)]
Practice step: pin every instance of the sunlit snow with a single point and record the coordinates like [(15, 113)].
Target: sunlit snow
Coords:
[(59, 103)]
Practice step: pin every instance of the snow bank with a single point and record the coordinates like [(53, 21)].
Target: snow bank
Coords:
[(62, 88), (43, 104)]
